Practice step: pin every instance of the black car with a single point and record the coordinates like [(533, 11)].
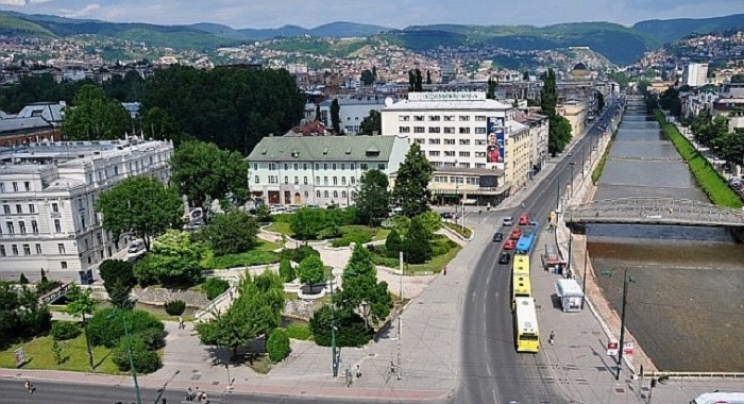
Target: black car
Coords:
[(504, 258), (498, 237)]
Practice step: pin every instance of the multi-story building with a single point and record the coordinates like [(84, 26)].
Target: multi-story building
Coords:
[(352, 112), (575, 112), (696, 74), (48, 193), (319, 170), (539, 131), (464, 130)]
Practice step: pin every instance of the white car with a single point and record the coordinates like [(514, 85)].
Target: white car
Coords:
[(136, 247), (508, 221)]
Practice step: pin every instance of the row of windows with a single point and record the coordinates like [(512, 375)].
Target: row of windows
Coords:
[(273, 179), (450, 142), (335, 194), (333, 166), (450, 153), (456, 180), (437, 118), (15, 186), (31, 208), (464, 130), (10, 227), (27, 251), (450, 164)]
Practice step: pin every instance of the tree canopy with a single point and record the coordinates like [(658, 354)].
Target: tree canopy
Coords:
[(142, 206), (373, 199), (232, 233), (371, 124), (411, 190), (202, 171), (360, 287), (94, 116), (118, 279)]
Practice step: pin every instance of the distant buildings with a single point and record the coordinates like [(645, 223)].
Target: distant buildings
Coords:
[(49, 192), (36, 122), (352, 111), (695, 75)]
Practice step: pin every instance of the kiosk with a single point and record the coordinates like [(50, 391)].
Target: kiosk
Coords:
[(570, 294)]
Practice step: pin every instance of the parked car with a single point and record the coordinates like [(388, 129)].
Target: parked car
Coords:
[(510, 244), (504, 258), (136, 247), (498, 237), (515, 234), (508, 221), (524, 220), (447, 215)]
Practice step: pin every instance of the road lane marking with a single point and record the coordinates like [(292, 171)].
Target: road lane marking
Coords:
[(494, 396), (472, 298), (490, 373), (488, 281)]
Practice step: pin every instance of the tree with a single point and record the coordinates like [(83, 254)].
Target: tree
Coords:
[(491, 90), (310, 270), (411, 190), (141, 206), (411, 81), (158, 124), (277, 345), (549, 94), (361, 291), (318, 115), (737, 78), (145, 360), (428, 77), (526, 75), (174, 261), (419, 81), (371, 124), (418, 249), (286, 271), (94, 116), (394, 244), (600, 101), (307, 223), (335, 117), (79, 304), (21, 315), (202, 171), (118, 279), (232, 233), (373, 199), (366, 77), (57, 352), (558, 135)]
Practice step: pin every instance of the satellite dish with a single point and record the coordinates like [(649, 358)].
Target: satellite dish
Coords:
[(389, 101)]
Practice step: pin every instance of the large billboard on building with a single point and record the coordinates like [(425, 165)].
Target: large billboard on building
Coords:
[(495, 144)]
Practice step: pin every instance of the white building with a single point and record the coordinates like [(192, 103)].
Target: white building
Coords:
[(352, 112), (319, 170), (48, 193), (696, 75)]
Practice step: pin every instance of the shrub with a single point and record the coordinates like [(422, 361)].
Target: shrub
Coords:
[(45, 287), (300, 253), (153, 338), (106, 327), (351, 330), (286, 271), (23, 280), (214, 287), (299, 331), (145, 361), (175, 307), (64, 330), (278, 345), (393, 244), (353, 234), (311, 270), (442, 246)]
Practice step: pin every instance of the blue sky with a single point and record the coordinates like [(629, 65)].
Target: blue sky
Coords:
[(389, 13)]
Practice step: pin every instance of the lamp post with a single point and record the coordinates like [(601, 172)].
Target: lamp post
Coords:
[(334, 359), (583, 280), (131, 360), (626, 280), (570, 248), (572, 164)]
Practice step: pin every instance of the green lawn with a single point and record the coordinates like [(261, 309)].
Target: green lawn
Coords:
[(284, 228), (461, 230), (39, 356), (381, 234), (280, 227), (262, 254), (436, 264)]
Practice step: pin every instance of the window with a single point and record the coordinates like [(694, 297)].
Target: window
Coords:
[(335, 180), (404, 129), (317, 180), (343, 180), (449, 130), (464, 142), (257, 179), (464, 131), (286, 166), (325, 180), (449, 118), (2, 187), (352, 180), (449, 141), (304, 180), (6, 209), (434, 153), (419, 141), (27, 186), (272, 166), (82, 223), (335, 194), (34, 227), (381, 166), (307, 195), (435, 129), (480, 118), (296, 166), (55, 208), (353, 195), (317, 194), (317, 166), (480, 142), (15, 189), (19, 209), (325, 194), (22, 227), (325, 166), (435, 141), (464, 154), (404, 118), (286, 179), (9, 226), (434, 118), (343, 194), (255, 166), (480, 165), (464, 118), (363, 166), (15, 249), (57, 226), (63, 264), (2, 250), (419, 129), (333, 166), (61, 248), (343, 166), (26, 249), (296, 180), (31, 208), (480, 131), (304, 166), (480, 154), (418, 117)]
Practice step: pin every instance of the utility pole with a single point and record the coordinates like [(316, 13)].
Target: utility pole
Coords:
[(622, 325), (586, 259), (334, 359), (131, 360), (399, 370)]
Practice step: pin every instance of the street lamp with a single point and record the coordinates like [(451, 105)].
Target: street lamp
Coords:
[(334, 359), (131, 358), (572, 164), (626, 280)]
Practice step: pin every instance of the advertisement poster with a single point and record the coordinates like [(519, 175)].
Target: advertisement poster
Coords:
[(495, 144)]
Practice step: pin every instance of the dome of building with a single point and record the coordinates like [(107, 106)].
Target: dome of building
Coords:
[(579, 66)]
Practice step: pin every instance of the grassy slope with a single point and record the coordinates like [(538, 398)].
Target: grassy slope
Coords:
[(14, 25)]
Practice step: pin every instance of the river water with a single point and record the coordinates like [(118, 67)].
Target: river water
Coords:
[(686, 306)]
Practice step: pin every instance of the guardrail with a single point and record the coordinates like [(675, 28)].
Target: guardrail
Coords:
[(55, 294), (696, 375)]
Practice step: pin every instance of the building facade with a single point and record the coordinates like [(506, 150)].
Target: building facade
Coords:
[(352, 112), (48, 193), (576, 112), (319, 170), (696, 74)]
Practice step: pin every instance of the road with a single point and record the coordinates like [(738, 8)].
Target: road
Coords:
[(492, 371)]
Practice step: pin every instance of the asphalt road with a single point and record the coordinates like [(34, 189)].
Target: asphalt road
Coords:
[(492, 370)]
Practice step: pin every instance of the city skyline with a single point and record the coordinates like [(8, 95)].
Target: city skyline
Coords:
[(392, 14)]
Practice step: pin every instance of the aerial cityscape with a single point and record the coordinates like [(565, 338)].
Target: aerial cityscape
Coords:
[(399, 202)]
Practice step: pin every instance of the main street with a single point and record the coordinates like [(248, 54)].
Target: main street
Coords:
[(492, 370)]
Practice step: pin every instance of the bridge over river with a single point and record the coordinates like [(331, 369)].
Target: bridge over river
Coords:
[(662, 211)]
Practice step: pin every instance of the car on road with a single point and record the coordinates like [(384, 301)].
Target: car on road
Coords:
[(524, 220), (498, 237), (504, 258), (510, 244), (508, 221), (448, 215), (515, 234), (136, 247)]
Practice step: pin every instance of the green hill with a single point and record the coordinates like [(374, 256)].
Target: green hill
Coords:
[(672, 30), (10, 25)]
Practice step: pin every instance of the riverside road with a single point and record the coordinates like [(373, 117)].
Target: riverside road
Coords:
[(492, 371)]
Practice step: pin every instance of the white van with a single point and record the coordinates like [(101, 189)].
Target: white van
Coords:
[(719, 398)]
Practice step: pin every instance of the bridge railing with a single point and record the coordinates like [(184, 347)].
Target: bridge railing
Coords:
[(697, 375), (666, 210), (55, 294)]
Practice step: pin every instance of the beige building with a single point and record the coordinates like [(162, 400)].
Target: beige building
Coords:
[(519, 148), (466, 185), (575, 112)]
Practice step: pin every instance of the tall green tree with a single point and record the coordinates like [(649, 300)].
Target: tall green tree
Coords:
[(202, 171), (428, 77), (174, 261), (411, 81), (411, 191), (335, 117), (526, 75), (307, 223), (371, 124), (366, 77), (559, 133), (93, 116), (491, 90), (310, 270), (81, 304), (318, 115), (419, 81), (118, 280), (141, 206), (373, 198), (417, 246), (549, 94), (361, 291), (232, 233), (158, 124)]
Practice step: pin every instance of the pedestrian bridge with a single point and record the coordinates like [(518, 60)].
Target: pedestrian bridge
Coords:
[(664, 211)]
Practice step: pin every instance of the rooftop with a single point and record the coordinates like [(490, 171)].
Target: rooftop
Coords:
[(324, 148)]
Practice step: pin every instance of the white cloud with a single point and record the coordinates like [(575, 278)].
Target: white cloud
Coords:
[(13, 2), (82, 12)]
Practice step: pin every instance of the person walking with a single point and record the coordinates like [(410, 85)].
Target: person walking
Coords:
[(181, 325), (189, 394), (444, 271), (551, 339), (30, 387)]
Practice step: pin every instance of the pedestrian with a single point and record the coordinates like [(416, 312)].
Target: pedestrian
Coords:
[(181, 326), (444, 271), (551, 339), (358, 371), (189, 394), (196, 395), (30, 387), (231, 294), (204, 398)]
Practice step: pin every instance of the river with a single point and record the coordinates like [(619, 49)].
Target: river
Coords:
[(686, 304)]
